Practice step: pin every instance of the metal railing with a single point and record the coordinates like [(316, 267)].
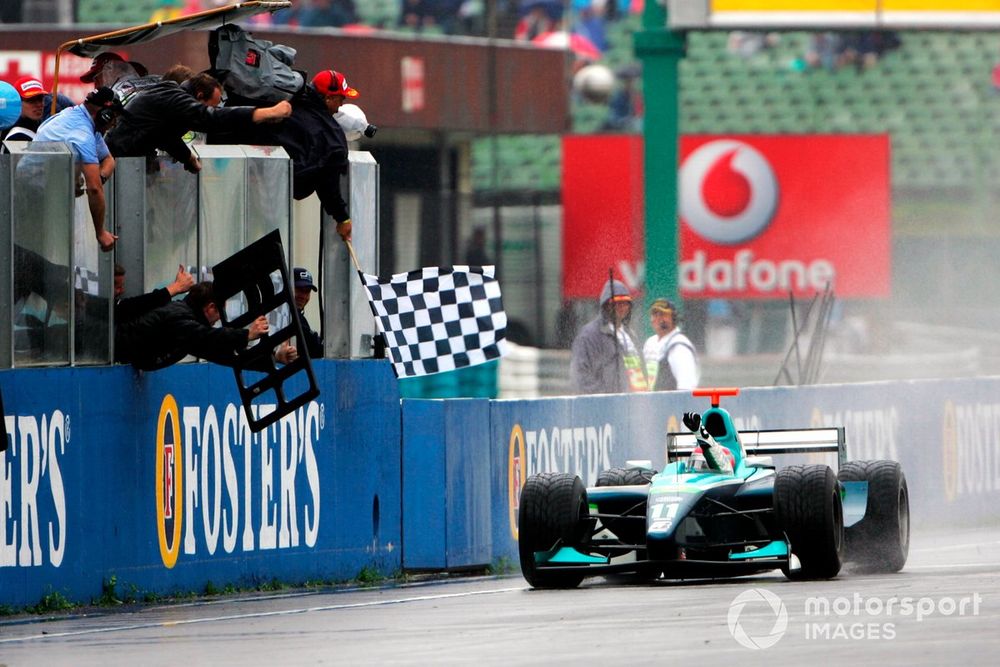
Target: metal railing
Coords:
[(57, 288)]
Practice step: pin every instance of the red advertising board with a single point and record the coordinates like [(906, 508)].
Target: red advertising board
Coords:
[(42, 65), (602, 195), (762, 216), (759, 216)]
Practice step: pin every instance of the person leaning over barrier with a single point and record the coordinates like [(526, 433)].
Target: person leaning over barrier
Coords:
[(127, 308), (158, 117), (82, 127), (165, 335), (315, 142)]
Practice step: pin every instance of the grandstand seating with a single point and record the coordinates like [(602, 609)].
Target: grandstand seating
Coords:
[(933, 95), (127, 12), (378, 13)]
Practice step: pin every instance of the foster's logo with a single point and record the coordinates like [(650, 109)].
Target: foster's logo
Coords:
[(169, 481)]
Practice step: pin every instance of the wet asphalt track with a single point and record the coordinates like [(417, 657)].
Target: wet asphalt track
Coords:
[(952, 583)]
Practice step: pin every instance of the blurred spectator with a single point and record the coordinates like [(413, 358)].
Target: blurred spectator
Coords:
[(823, 50), (166, 10), (11, 11), (567, 324), (590, 23), (336, 13), (860, 49), (611, 10), (32, 95), (538, 17), (747, 44), (445, 15), (475, 249), (417, 14), (625, 106), (471, 18)]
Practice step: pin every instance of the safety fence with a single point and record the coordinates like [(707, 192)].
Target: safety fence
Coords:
[(155, 481), (56, 302)]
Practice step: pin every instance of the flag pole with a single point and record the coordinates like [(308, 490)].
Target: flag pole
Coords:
[(354, 258)]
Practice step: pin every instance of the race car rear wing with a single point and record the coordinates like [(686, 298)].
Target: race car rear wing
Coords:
[(778, 441)]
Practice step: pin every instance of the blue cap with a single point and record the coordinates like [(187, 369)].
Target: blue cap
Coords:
[(303, 278)]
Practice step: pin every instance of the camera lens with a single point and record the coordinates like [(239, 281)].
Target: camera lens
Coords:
[(370, 131)]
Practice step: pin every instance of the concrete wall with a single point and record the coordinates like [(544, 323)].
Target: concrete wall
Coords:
[(154, 478)]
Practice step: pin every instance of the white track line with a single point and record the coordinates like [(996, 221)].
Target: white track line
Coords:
[(260, 614), (947, 566), (948, 547)]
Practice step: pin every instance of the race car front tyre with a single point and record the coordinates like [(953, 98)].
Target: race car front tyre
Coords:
[(553, 509), (808, 509), (625, 477), (880, 542)]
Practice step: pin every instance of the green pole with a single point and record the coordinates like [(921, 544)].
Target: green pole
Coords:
[(660, 51)]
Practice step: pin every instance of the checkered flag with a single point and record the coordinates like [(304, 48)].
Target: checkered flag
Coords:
[(439, 318), (85, 280)]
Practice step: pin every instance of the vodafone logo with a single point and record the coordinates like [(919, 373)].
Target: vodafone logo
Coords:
[(728, 192)]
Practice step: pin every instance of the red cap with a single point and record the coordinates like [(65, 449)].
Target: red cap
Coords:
[(329, 82), (29, 87), (98, 64)]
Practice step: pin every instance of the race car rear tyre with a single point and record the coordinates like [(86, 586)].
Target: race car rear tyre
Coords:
[(625, 477), (880, 542), (808, 509), (553, 509)]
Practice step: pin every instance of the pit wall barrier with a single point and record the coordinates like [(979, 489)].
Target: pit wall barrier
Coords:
[(154, 480), (945, 433)]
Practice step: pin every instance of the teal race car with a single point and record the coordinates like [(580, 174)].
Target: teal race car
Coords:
[(720, 508)]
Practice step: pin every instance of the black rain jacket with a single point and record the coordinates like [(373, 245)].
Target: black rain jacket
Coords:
[(159, 116), (315, 142), (165, 335)]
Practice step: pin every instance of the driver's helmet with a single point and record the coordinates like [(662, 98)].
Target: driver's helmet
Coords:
[(698, 462)]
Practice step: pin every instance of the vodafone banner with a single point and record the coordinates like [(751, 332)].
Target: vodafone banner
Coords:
[(759, 215), (762, 216), (602, 196)]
